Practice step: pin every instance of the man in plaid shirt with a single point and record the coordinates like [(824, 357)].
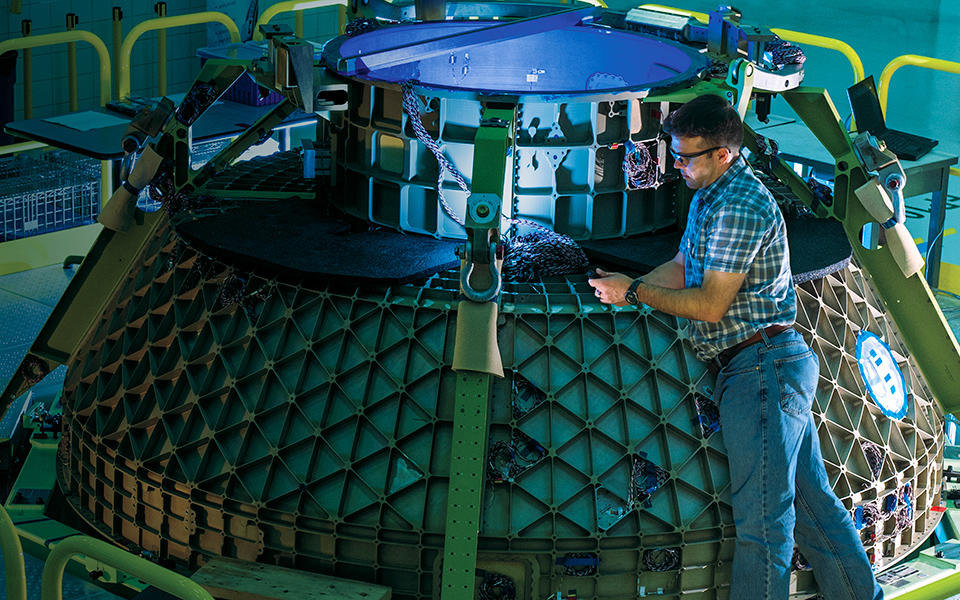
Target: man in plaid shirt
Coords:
[(731, 279)]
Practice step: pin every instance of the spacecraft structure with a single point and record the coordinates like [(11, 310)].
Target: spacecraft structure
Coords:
[(380, 358)]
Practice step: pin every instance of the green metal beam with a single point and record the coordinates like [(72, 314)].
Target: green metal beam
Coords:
[(948, 587), (113, 253), (908, 299)]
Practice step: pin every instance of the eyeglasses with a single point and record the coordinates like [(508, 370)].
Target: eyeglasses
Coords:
[(684, 158)]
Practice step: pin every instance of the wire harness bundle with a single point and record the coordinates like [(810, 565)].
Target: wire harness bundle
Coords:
[(640, 170), (539, 253), (874, 454), (784, 53), (495, 586), (526, 396), (646, 479), (708, 416), (579, 564), (661, 559), (507, 459)]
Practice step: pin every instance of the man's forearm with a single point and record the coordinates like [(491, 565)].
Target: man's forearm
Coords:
[(668, 275), (690, 303)]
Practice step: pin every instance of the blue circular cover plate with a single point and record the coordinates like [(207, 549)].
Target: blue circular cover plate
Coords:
[(882, 375), (569, 60)]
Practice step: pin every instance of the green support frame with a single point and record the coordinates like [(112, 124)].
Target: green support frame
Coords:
[(924, 329), (112, 254)]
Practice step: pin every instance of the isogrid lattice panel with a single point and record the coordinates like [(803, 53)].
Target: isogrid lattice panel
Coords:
[(279, 172), (216, 412), (613, 457), (567, 168), (886, 471)]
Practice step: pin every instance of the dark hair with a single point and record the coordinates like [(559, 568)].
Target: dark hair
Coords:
[(710, 117)]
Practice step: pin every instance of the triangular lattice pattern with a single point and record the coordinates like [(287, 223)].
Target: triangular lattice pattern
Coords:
[(218, 413)]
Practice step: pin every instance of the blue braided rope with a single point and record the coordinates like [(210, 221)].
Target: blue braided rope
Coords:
[(412, 108), (550, 253)]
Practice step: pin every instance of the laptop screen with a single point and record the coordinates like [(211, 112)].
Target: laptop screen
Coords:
[(866, 106)]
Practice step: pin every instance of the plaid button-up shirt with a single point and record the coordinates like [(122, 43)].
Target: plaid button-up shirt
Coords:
[(735, 226)]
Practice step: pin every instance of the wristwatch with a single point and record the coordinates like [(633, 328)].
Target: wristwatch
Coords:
[(631, 295)]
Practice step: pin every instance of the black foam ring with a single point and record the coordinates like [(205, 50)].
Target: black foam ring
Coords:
[(295, 237), (818, 247)]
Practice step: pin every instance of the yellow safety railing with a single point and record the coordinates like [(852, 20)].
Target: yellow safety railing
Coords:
[(702, 17), (153, 574), (117, 42), (51, 39), (12, 558), (913, 60), (64, 37), (297, 6), (21, 147), (785, 34), (126, 48), (26, 28)]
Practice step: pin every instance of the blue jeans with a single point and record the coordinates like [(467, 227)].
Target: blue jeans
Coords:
[(778, 481)]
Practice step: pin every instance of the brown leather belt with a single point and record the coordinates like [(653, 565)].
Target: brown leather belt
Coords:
[(721, 360)]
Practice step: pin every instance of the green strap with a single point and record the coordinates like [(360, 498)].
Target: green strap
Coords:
[(466, 485)]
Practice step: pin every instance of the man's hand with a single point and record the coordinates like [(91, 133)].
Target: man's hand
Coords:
[(610, 287)]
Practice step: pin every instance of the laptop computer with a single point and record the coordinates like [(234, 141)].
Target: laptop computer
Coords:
[(866, 110)]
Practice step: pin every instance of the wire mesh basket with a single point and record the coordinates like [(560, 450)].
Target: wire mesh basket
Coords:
[(47, 191)]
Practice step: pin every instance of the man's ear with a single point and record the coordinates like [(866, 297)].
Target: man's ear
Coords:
[(730, 155)]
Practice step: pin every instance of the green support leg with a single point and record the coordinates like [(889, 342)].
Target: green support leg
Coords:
[(112, 254), (908, 299)]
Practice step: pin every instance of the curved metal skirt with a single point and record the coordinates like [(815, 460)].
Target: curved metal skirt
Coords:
[(213, 414)]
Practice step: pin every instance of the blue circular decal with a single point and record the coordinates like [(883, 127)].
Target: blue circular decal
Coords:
[(882, 375)]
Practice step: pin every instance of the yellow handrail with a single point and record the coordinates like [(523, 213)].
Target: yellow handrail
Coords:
[(301, 5), (126, 48), (288, 6), (702, 17), (26, 28), (786, 34), (20, 147), (49, 39), (828, 43), (77, 35), (913, 60), (72, 65), (153, 574), (161, 9), (12, 558)]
